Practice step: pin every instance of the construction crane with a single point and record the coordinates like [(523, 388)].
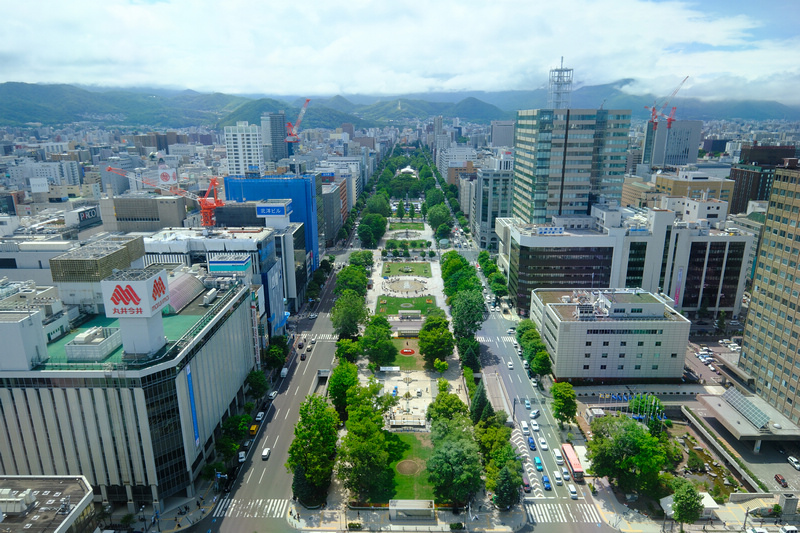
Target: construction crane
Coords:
[(207, 203), (657, 111), (292, 130)]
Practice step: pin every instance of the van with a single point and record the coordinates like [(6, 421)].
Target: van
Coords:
[(787, 529), (557, 477), (573, 492), (253, 429), (524, 426), (538, 463), (526, 485), (559, 457)]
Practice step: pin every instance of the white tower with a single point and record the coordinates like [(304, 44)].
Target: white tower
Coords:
[(560, 89)]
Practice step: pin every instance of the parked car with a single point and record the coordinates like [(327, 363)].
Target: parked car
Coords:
[(312, 316), (242, 457), (273, 395), (794, 462), (260, 416), (781, 481)]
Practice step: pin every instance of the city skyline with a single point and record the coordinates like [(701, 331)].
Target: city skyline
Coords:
[(732, 49)]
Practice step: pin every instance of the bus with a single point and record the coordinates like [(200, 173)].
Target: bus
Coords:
[(571, 458)]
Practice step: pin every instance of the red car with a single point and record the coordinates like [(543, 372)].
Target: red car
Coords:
[(781, 481)]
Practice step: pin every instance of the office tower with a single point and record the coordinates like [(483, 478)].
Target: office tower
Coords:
[(437, 125), (770, 344), (273, 126), (672, 145), (754, 173), (551, 181), (243, 148), (502, 133), (348, 129), (694, 184), (490, 199)]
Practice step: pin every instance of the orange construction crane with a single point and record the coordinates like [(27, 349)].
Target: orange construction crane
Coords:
[(207, 203), (656, 111), (292, 130)]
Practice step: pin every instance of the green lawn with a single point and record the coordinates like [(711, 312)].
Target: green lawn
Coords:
[(416, 446), (408, 362), (417, 269), (392, 305), (406, 225), (396, 245)]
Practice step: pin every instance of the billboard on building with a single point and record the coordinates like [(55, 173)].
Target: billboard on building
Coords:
[(167, 177), (132, 298), (274, 209), (39, 185)]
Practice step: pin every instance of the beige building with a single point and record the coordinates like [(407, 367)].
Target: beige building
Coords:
[(142, 212), (693, 184), (636, 192)]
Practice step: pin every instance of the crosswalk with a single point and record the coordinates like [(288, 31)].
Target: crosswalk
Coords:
[(324, 336), (541, 513), (252, 508), (502, 338)]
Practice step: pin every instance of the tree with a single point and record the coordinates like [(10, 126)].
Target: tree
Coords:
[(431, 254), (440, 366), (541, 363), (479, 403), (435, 340), (411, 211), (499, 290), (376, 342), (348, 350), (352, 278), (226, 447), (379, 204), (368, 240), (342, 234), (128, 520), (721, 321), (438, 215), (523, 326), (401, 210), (344, 376), (506, 491), (363, 259), (377, 224), (257, 382), (275, 358), (348, 313), (470, 358), (236, 426), (467, 311), (302, 489), (687, 504), (446, 405), (314, 444), (433, 198), (424, 210), (454, 470), (622, 449), (565, 406), (443, 231)]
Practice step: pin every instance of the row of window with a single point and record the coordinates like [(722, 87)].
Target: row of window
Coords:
[(604, 355), (625, 332), (622, 367), (623, 343)]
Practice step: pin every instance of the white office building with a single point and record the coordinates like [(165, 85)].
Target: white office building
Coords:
[(611, 335)]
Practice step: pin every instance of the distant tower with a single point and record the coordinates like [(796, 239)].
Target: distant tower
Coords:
[(560, 90)]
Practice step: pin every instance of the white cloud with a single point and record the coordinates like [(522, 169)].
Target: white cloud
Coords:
[(393, 47)]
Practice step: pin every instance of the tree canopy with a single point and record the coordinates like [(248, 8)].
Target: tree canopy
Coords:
[(376, 342), (314, 444), (348, 313), (435, 340), (344, 376), (565, 405), (467, 311), (353, 278)]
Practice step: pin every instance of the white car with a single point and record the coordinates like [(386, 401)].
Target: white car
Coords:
[(534, 425), (542, 443), (794, 462), (510, 365), (511, 330), (242, 457), (312, 316)]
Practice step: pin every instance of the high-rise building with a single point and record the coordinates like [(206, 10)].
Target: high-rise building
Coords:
[(438, 129), (502, 133), (754, 174), (672, 145), (694, 184), (243, 148), (770, 345), (490, 199), (273, 130), (566, 159)]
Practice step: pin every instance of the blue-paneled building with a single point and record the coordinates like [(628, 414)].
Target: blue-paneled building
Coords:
[(303, 190)]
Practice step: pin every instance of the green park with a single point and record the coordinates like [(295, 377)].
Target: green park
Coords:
[(392, 305), (422, 270)]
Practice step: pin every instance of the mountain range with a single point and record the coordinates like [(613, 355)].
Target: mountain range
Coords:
[(23, 104)]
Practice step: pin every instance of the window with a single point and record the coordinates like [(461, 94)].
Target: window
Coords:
[(640, 343), (602, 367), (674, 355), (587, 355), (622, 356), (658, 343), (637, 367), (605, 343), (604, 355), (655, 367), (588, 343), (623, 343), (620, 367), (586, 367)]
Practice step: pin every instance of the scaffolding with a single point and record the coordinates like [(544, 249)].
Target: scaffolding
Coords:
[(560, 89)]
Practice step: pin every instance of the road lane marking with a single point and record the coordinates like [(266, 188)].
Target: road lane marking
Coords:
[(264, 471), (249, 475), (297, 390), (276, 441)]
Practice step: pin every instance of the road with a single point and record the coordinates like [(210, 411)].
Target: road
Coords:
[(260, 498)]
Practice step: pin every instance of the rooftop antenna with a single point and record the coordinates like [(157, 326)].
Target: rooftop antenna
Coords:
[(560, 89)]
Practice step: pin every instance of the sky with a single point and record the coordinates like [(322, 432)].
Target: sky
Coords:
[(734, 49)]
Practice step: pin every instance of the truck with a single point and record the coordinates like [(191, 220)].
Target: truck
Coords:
[(284, 372)]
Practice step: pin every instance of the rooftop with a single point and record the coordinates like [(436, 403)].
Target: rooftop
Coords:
[(51, 494)]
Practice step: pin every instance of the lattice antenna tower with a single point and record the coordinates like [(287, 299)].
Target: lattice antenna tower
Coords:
[(560, 90)]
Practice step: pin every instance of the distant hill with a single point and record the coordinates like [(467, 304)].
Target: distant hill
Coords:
[(24, 103)]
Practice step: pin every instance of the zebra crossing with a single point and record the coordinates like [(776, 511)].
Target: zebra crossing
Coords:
[(502, 338), (247, 508), (540, 513), (324, 336)]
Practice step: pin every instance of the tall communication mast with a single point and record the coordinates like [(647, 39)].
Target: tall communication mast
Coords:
[(560, 90)]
